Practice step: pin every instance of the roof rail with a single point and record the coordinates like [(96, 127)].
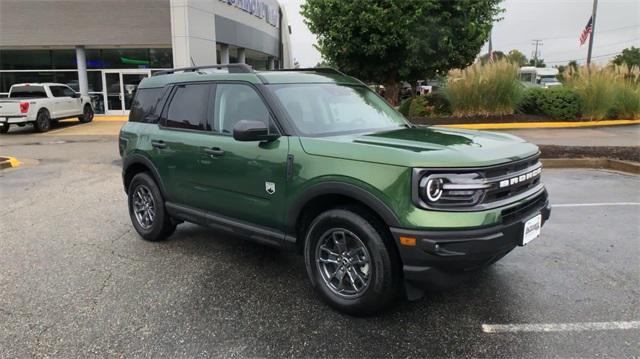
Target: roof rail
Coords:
[(233, 68), (327, 70)]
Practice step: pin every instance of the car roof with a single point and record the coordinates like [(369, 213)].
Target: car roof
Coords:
[(40, 84), (293, 76)]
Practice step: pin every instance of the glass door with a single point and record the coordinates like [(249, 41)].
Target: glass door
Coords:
[(121, 86)]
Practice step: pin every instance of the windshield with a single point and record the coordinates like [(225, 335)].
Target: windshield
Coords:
[(550, 78), (330, 109)]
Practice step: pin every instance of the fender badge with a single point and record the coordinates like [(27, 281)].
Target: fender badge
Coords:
[(270, 187)]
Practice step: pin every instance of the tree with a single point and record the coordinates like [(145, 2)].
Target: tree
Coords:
[(537, 63), (629, 56), (390, 41), (516, 57), (497, 55)]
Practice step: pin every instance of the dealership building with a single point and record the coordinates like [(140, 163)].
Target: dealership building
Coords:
[(103, 48)]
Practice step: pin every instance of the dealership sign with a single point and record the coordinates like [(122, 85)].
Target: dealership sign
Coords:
[(258, 8)]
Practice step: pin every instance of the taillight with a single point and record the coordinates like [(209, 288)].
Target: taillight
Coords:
[(24, 107)]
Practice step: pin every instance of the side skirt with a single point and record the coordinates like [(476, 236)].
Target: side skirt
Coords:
[(260, 234)]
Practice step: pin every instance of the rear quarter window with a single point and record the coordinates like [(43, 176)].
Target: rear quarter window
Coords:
[(145, 103), (27, 91)]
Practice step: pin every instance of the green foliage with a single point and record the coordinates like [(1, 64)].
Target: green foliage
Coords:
[(427, 105), (629, 56), (537, 63), (516, 57), (530, 100), (626, 103), (420, 107), (386, 42), (404, 106), (560, 103), (484, 89)]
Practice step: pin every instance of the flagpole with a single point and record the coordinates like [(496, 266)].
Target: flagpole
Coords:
[(593, 30)]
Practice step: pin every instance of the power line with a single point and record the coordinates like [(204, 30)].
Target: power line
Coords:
[(571, 37), (599, 46), (582, 59)]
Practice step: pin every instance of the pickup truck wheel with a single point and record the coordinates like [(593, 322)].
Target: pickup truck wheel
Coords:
[(4, 128), (87, 114), (146, 209), (43, 122), (350, 263)]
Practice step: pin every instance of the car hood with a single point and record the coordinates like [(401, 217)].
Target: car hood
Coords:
[(424, 147)]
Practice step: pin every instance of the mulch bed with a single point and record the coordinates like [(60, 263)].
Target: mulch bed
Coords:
[(456, 120), (624, 153)]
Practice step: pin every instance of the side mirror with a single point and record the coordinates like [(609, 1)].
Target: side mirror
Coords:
[(75, 95), (252, 131)]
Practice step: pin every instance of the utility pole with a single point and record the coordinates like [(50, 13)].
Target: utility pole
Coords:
[(536, 43), (593, 31)]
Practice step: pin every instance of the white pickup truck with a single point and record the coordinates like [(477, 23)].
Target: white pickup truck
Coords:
[(42, 103)]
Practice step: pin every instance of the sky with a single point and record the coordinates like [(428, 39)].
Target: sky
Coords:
[(557, 23)]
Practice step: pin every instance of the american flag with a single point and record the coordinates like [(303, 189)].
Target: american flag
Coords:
[(585, 33)]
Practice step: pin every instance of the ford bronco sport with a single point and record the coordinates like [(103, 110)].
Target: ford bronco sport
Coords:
[(315, 161)]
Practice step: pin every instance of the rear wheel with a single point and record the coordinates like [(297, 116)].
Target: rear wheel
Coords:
[(351, 262), (43, 121), (87, 114), (4, 128), (146, 209)]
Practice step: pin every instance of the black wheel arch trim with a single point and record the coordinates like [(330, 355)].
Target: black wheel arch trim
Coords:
[(339, 188), (135, 159)]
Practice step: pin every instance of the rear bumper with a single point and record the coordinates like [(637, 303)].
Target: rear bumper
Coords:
[(15, 119), (441, 256)]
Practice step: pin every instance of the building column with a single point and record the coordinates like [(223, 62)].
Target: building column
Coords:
[(81, 59), (272, 63), (241, 56), (224, 54)]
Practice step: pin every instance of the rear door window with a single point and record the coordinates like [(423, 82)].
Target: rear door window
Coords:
[(188, 107)]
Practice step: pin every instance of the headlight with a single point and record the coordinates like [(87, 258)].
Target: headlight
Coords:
[(446, 190)]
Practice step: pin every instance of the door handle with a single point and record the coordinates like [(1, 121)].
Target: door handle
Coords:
[(159, 144), (214, 151)]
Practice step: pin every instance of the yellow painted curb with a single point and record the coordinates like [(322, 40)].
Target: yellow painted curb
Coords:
[(522, 125), (9, 162), (100, 118)]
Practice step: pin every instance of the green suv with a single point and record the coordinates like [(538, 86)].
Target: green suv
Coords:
[(314, 161)]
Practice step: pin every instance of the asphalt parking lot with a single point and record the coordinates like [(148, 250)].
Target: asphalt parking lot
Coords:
[(76, 281)]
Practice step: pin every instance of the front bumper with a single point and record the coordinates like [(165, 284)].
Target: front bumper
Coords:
[(440, 256)]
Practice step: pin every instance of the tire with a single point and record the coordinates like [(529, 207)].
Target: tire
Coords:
[(4, 128), (146, 209), (87, 114), (371, 272), (43, 121)]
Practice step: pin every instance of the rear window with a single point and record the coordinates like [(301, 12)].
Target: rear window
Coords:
[(144, 104), (27, 91)]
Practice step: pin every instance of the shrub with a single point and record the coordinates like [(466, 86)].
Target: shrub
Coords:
[(404, 106), (420, 107), (492, 88), (530, 101), (606, 91), (559, 103), (439, 102)]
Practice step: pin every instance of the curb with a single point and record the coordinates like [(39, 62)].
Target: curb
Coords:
[(598, 163), (8, 162), (525, 125), (109, 118)]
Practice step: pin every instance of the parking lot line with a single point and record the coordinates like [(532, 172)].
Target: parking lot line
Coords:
[(596, 204), (559, 327)]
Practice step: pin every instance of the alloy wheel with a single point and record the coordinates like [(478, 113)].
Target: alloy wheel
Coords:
[(144, 206), (344, 262)]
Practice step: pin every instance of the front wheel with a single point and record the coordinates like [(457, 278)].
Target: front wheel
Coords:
[(87, 114), (351, 262), (146, 209)]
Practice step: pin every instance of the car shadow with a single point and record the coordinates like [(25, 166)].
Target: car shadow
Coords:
[(15, 130)]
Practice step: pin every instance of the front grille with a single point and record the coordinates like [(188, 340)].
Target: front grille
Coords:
[(513, 172), (517, 212)]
